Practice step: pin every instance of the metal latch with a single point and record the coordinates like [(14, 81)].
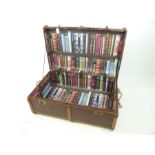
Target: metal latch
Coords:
[(42, 102), (98, 112)]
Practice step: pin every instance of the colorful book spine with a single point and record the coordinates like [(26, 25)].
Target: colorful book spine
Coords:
[(100, 101), (94, 43), (115, 67), (98, 44), (46, 87), (94, 100), (101, 82), (69, 63), (86, 64), (66, 39), (81, 42), (112, 45), (86, 43), (59, 43), (89, 82), (54, 42), (107, 67), (63, 42), (106, 85), (116, 47), (107, 38), (84, 100), (88, 99), (81, 97), (59, 91), (111, 70), (60, 79), (103, 45), (70, 41), (62, 94), (76, 37), (44, 95), (98, 66)]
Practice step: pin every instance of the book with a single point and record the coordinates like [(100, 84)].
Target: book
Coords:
[(112, 69), (115, 67), (54, 42), (81, 97), (116, 47), (86, 43), (70, 41), (88, 99), (107, 67), (98, 44), (100, 101), (107, 38), (112, 44)]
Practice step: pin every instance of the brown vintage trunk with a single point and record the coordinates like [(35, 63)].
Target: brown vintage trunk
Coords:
[(71, 111)]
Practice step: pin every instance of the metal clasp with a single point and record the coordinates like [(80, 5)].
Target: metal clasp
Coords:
[(42, 102), (98, 112)]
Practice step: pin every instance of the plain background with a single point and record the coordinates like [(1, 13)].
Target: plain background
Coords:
[(22, 50)]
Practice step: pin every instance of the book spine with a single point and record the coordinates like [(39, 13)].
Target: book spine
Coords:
[(54, 41), (93, 82), (84, 100), (116, 47), (112, 44), (111, 70), (81, 97), (62, 94), (81, 42), (57, 94), (107, 67), (98, 44), (88, 98), (69, 63), (94, 100), (63, 42), (59, 43), (86, 44), (66, 43), (103, 45), (115, 66), (100, 101), (107, 37), (44, 95), (70, 40), (94, 43), (76, 42), (89, 82)]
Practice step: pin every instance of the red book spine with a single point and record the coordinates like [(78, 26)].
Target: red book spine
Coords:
[(54, 41), (98, 43)]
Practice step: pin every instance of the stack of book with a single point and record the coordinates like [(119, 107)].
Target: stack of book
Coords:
[(81, 80), (86, 43), (71, 96), (78, 63)]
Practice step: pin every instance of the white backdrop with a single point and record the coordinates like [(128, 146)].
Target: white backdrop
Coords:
[(22, 49)]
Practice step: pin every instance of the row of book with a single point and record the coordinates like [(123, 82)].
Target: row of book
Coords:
[(93, 65), (76, 97), (88, 43), (82, 80)]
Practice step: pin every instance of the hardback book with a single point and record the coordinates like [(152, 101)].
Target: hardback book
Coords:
[(81, 85)]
